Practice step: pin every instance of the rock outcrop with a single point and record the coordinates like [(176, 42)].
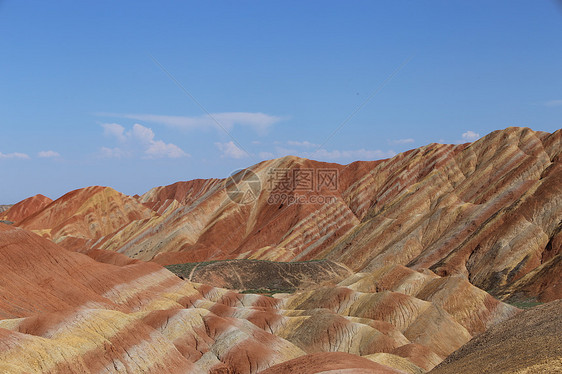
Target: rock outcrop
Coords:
[(64, 312), (527, 343)]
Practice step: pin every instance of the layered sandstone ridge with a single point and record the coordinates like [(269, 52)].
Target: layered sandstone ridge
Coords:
[(184, 193), (486, 210), (24, 209), (490, 211), (79, 218), (64, 312)]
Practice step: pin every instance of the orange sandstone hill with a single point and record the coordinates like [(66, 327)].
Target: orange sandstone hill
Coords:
[(4, 208), (489, 210), (83, 216), (63, 312), (25, 208)]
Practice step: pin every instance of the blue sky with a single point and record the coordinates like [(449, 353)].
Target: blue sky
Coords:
[(85, 99)]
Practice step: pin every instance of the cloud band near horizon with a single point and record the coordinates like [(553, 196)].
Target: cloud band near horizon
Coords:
[(258, 121)]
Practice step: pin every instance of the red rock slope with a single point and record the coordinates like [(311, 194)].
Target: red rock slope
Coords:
[(63, 312), (25, 208), (489, 210), (179, 193), (81, 217)]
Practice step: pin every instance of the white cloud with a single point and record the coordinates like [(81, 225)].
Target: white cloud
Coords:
[(22, 156), (305, 144), (114, 152), (553, 103), (282, 151), (230, 150), (470, 136), (338, 155), (357, 154), (138, 138), (260, 122), (114, 130), (159, 149), (48, 154), (143, 134), (335, 155), (402, 141)]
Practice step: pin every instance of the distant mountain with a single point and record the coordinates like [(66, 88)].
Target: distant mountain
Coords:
[(24, 209), (85, 215), (489, 210)]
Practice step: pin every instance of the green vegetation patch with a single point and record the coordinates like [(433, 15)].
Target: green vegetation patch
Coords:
[(185, 271), (524, 304), (266, 291)]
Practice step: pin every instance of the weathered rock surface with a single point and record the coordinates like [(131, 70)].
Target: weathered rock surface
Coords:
[(184, 193), (64, 312), (330, 363), (527, 343), (81, 217), (486, 210), (24, 209), (489, 210)]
